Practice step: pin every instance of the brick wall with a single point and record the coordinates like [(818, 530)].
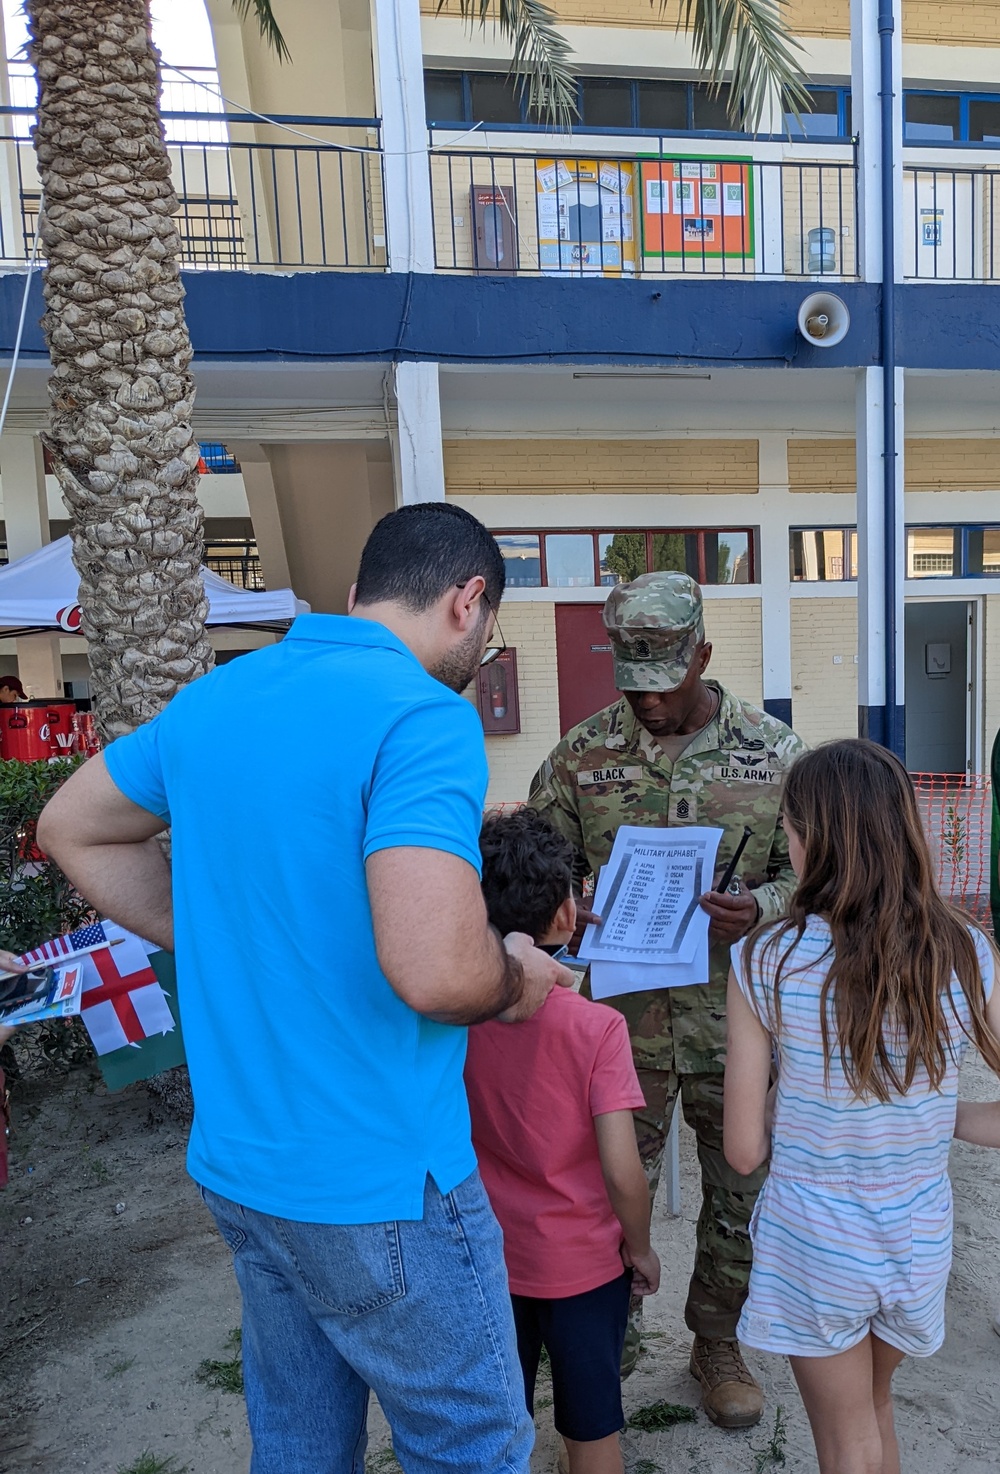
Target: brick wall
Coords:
[(937, 464), (824, 691), (733, 626), (821, 465), (527, 467)]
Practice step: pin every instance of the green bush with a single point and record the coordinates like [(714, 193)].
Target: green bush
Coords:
[(36, 902), (36, 899)]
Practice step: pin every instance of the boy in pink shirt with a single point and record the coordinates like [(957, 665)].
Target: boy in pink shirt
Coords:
[(551, 1102)]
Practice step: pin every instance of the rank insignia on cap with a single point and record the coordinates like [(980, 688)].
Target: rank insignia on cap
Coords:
[(641, 648)]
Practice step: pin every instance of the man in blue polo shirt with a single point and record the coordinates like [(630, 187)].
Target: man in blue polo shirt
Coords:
[(332, 943)]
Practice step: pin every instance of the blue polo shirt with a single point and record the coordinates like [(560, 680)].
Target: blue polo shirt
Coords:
[(319, 1094)]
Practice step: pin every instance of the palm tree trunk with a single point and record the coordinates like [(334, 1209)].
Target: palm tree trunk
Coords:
[(121, 391)]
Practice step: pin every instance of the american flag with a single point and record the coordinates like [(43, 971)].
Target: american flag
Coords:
[(69, 945)]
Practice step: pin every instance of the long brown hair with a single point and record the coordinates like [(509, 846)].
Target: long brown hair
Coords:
[(896, 943)]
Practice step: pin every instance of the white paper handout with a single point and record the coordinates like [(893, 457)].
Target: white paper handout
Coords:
[(653, 933)]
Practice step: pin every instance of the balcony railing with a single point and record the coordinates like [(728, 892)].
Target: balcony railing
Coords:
[(249, 197), (951, 220), (237, 561), (648, 214)]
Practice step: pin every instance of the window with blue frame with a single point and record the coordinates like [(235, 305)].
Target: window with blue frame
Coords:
[(608, 104), (950, 117), (950, 551)]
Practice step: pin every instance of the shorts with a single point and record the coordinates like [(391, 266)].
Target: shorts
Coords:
[(584, 1336), (832, 1262)]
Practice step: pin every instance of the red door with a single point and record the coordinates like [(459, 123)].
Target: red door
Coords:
[(583, 658)]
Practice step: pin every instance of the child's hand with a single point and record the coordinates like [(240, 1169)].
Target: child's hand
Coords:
[(645, 1270)]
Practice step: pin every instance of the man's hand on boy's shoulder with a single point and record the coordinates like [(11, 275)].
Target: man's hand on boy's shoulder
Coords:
[(539, 974)]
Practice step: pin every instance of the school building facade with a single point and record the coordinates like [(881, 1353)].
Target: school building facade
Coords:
[(401, 286)]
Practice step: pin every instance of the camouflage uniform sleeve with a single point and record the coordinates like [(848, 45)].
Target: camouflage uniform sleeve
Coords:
[(774, 895), (553, 794)]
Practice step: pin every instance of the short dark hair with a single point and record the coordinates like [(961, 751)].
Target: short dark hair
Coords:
[(527, 871), (417, 553)]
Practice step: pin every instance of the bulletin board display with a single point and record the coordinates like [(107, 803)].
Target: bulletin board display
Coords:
[(697, 208), (586, 214)]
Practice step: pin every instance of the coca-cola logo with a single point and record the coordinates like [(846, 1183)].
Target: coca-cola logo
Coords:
[(69, 618)]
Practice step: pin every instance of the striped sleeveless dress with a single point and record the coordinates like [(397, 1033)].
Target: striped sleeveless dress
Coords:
[(853, 1229)]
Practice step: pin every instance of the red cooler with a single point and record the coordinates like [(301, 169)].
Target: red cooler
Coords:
[(62, 728), (87, 740), (24, 732)]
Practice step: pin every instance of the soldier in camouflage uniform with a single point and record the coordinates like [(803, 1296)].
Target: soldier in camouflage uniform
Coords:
[(677, 750)]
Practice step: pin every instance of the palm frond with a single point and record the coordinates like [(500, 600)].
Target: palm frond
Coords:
[(748, 39), (269, 29), (541, 55)]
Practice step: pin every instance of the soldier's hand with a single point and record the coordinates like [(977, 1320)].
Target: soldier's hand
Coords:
[(541, 974), (584, 916), (731, 916)]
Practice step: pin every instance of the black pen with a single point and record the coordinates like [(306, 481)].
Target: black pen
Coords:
[(730, 871)]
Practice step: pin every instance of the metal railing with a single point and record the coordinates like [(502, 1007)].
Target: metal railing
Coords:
[(239, 562), (183, 89), (951, 223), (249, 199), (649, 214)]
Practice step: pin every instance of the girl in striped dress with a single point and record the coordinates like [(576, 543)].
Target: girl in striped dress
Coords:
[(866, 996)]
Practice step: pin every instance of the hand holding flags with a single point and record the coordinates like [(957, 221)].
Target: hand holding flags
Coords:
[(128, 1002)]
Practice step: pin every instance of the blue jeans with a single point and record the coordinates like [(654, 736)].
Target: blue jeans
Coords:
[(418, 1312)]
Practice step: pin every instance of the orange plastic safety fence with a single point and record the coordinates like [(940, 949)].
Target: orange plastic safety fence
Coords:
[(957, 814)]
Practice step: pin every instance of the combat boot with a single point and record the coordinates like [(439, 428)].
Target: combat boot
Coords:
[(729, 1394)]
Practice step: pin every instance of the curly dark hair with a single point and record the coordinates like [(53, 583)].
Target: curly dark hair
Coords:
[(527, 871)]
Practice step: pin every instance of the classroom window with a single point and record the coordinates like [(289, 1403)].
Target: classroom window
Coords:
[(495, 98), (820, 118), (444, 97), (933, 552), (522, 559), (595, 559), (822, 554), (606, 102), (983, 552), (569, 560), (931, 117), (663, 105), (984, 120), (710, 110)]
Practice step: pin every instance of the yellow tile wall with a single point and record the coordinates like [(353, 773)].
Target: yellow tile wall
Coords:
[(930, 465), (821, 465), (527, 467), (531, 630), (733, 626), (824, 694), (943, 22)]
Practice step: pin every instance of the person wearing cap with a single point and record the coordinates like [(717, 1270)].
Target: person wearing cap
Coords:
[(677, 749), (11, 691)]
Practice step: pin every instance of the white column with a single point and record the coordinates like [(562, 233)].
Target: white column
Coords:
[(866, 119), (417, 449), (873, 626), (399, 89), (773, 575), (26, 518), (258, 482)]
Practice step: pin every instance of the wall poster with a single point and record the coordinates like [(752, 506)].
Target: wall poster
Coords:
[(697, 208), (586, 216)]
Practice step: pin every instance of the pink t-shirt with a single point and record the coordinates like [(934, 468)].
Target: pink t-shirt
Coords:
[(534, 1090)]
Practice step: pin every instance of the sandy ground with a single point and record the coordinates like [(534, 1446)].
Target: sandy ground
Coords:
[(114, 1288)]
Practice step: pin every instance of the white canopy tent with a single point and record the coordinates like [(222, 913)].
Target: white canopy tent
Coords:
[(40, 593)]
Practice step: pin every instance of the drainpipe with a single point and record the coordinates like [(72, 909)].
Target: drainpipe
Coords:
[(894, 735)]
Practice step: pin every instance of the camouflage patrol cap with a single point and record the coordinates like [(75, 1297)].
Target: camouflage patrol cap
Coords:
[(655, 625)]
